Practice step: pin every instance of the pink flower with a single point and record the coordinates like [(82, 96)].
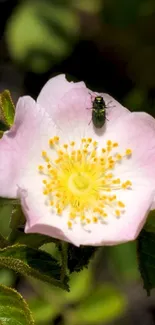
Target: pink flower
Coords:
[(83, 185)]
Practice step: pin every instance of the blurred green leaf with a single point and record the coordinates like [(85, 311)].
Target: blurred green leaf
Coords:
[(1, 134), (7, 277), (146, 257), (43, 311), (5, 214), (80, 285), (31, 240), (50, 31), (104, 305), (13, 308), (5, 201), (3, 242), (92, 6), (7, 109), (32, 262), (123, 259), (17, 217)]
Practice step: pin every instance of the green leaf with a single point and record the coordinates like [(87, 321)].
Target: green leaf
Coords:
[(57, 26), (79, 257), (146, 257), (1, 134), (7, 109), (3, 242), (32, 240), (80, 285), (5, 201), (104, 304), (43, 311), (150, 223), (13, 308), (5, 214), (124, 268), (92, 7), (32, 262), (17, 217), (7, 277)]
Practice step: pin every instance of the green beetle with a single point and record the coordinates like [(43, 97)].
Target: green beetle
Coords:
[(98, 112)]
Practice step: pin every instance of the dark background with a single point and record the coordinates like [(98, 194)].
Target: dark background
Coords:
[(110, 45)]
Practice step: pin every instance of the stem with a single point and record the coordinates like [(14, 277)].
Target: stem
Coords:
[(64, 256)]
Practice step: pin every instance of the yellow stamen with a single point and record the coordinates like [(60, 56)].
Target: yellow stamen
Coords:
[(44, 153), (40, 168), (51, 142), (118, 213), (69, 223), (121, 204), (128, 152), (81, 180)]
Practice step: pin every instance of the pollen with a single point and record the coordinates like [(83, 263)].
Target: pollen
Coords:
[(69, 223), (121, 204), (81, 180), (44, 153), (115, 144), (118, 213), (40, 168), (51, 142), (128, 152), (56, 139)]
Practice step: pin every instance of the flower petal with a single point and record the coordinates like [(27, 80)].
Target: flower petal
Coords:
[(54, 90), (129, 131), (40, 219), (69, 105), (137, 132), (114, 109), (19, 145)]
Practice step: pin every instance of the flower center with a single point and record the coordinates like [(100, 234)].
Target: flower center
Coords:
[(79, 183), (81, 179)]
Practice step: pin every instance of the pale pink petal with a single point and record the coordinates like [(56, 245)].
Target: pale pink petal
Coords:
[(153, 205), (39, 216), (54, 90), (135, 131), (40, 219), (69, 105), (21, 143)]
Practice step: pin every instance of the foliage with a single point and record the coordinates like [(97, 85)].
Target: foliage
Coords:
[(17, 311), (48, 36)]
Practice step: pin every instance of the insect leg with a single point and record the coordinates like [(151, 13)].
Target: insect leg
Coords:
[(107, 105)]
